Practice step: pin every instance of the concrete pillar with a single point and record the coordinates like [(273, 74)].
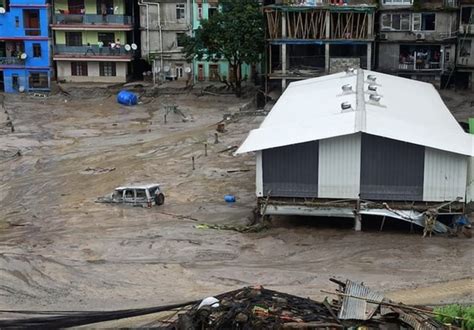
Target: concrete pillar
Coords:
[(327, 46), (357, 222), (357, 216), (370, 26), (283, 66), (369, 56), (327, 57), (283, 51)]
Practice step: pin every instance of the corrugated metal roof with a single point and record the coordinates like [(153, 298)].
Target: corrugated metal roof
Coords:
[(409, 111), (359, 309)]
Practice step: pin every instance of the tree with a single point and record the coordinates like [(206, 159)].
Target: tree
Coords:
[(235, 33)]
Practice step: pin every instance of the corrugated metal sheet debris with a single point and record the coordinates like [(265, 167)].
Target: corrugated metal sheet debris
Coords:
[(359, 309)]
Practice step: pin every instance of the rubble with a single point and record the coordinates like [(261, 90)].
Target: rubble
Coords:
[(260, 308)]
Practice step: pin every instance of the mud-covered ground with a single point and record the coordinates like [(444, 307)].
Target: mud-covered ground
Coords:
[(59, 250)]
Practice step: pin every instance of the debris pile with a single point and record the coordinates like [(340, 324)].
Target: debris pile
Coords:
[(260, 308)]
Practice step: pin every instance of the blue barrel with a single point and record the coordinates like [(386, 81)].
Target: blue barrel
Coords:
[(127, 98), (229, 198)]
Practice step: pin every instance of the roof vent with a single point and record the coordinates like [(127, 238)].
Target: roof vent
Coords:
[(346, 106), (347, 88), (372, 88), (371, 78), (375, 98)]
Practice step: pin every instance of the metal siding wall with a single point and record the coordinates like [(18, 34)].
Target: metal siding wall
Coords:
[(445, 176), (470, 181), (258, 174), (291, 171), (391, 170), (339, 167)]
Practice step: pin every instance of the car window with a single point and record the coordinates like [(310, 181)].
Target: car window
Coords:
[(141, 194), (129, 194), (152, 190)]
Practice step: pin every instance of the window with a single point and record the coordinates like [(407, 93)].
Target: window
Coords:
[(76, 6), (199, 11), (395, 22), (31, 22), (424, 22), (105, 7), (106, 38), (36, 50), (15, 82), (107, 69), (79, 68), (180, 11), (465, 48), (467, 15), (73, 38), (180, 39), (179, 71), (38, 80), (397, 2), (17, 21), (212, 11)]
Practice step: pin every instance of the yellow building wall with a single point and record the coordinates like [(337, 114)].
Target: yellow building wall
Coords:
[(90, 36), (91, 6)]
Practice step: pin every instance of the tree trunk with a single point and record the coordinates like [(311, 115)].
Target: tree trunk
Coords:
[(238, 79)]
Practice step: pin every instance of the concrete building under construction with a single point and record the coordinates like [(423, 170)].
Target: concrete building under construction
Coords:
[(314, 38)]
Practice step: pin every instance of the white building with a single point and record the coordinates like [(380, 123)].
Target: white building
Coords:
[(363, 138)]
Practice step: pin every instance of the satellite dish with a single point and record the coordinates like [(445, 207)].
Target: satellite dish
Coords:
[(144, 73), (23, 56), (21, 89), (127, 47), (134, 46), (2, 10), (157, 69), (166, 69), (148, 73), (187, 70), (112, 45)]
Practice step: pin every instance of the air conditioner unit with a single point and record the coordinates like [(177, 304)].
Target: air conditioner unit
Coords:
[(420, 36), (383, 36)]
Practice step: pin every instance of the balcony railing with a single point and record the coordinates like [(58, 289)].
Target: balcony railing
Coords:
[(11, 61), (91, 19), (421, 66), (32, 31), (93, 50)]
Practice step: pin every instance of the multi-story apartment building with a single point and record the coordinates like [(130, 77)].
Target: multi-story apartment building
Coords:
[(24, 45), (93, 40), (162, 23), (310, 38), (465, 60), (215, 69), (417, 39)]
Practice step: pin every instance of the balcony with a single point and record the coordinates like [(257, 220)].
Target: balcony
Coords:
[(32, 32), (65, 21), (420, 66), (11, 61), (93, 53)]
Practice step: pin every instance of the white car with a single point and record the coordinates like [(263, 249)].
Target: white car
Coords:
[(144, 195)]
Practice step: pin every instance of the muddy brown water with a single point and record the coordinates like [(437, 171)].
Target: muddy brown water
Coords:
[(61, 251)]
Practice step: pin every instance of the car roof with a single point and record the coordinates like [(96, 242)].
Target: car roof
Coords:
[(139, 186)]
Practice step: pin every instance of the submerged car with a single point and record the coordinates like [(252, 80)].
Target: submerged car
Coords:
[(144, 195)]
